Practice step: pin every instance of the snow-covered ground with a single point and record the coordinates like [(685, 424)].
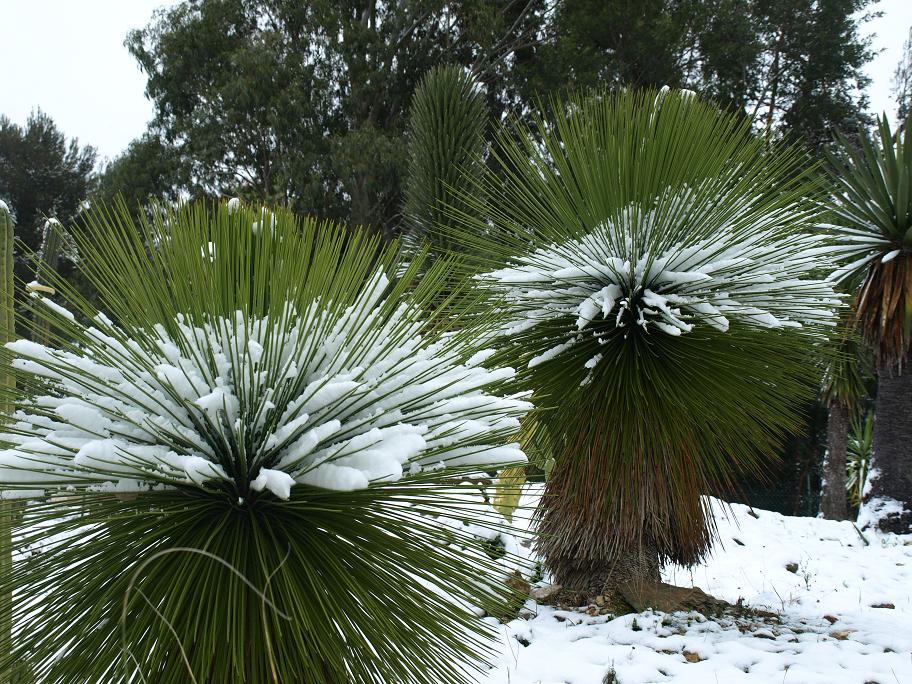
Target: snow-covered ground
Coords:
[(829, 628)]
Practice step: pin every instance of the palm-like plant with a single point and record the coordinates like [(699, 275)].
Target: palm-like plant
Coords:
[(659, 291), (872, 206), (233, 468), (447, 124), (858, 456)]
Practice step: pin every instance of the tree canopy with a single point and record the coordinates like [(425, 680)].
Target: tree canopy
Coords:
[(306, 104), (42, 174)]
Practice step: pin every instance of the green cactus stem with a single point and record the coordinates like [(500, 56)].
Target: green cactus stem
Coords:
[(7, 508)]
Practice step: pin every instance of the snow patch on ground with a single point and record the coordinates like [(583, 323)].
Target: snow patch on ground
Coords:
[(817, 575)]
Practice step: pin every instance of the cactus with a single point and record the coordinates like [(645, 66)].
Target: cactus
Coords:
[(7, 510), (448, 122)]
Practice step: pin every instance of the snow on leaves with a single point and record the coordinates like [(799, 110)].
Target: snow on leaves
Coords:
[(331, 398), (640, 272)]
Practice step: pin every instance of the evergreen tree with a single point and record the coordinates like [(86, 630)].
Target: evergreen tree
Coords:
[(795, 65), (42, 174), (902, 82), (149, 169), (306, 104)]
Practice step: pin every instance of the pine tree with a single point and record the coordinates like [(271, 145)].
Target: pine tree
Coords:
[(42, 174)]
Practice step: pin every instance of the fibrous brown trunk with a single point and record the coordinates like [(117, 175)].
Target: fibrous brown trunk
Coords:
[(578, 539), (613, 513), (833, 496), (891, 480)]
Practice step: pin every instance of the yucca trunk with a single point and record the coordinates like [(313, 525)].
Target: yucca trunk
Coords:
[(833, 496), (892, 457), (579, 539), (601, 539)]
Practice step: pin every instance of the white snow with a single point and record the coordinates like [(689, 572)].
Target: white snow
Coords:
[(331, 397), (641, 269), (829, 629), (876, 509)]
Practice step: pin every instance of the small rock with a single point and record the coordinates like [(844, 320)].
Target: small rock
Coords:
[(883, 605), (792, 567), (669, 599), (766, 614), (830, 618), (592, 610), (545, 593), (840, 634), (692, 657), (517, 583)]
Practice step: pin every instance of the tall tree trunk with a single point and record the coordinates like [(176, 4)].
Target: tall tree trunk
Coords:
[(833, 497), (774, 86), (891, 484)]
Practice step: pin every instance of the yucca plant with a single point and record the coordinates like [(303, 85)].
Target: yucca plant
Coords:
[(247, 466), (858, 456), (844, 387), (872, 209), (655, 270), (448, 120)]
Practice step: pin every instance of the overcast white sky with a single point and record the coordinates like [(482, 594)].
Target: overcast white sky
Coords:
[(67, 57)]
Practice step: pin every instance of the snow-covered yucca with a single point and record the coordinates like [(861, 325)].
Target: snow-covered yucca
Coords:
[(656, 268), (233, 458), (638, 270), (872, 221)]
